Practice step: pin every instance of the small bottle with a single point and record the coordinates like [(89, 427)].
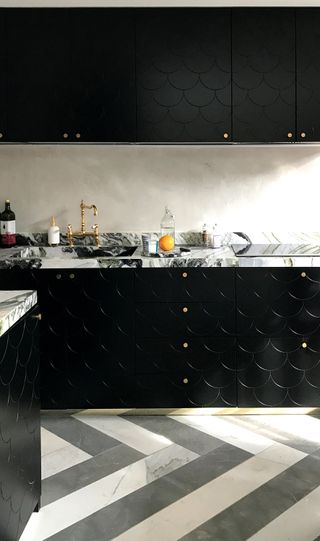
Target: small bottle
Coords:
[(8, 226), (53, 233), (167, 228), (206, 240), (216, 237)]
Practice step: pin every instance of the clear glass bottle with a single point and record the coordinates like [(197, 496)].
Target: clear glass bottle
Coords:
[(167, 231)]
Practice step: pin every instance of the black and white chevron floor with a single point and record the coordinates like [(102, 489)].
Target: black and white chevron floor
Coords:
[(168, 478)]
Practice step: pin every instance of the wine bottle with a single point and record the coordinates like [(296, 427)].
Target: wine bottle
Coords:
[(8, 226)]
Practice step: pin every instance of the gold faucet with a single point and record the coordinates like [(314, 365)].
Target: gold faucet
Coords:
[(83, 233)]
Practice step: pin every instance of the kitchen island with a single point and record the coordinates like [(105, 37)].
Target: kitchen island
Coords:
[(19, 412)]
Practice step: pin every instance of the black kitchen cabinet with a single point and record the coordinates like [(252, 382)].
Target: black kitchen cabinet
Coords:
[(308, 74), (3, 75), (278, 327), (183, 59), (263, 75), (87, 338), (185, 348), (71, 75), (20, 458)]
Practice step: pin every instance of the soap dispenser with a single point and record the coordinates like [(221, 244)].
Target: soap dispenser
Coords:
[(53, 233)]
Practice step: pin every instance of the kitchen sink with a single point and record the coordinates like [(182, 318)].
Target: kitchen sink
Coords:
[(74, 252)]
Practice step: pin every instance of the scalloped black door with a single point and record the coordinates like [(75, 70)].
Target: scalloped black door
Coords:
[(183, 75), (263, 64), (308, 74), (20, 459), (278, 326), (3, 76)]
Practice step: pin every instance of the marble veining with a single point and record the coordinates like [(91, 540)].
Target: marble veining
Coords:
[(123, 250), (13, 306)]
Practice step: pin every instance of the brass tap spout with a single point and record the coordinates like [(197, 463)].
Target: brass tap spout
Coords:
[(83, 232)]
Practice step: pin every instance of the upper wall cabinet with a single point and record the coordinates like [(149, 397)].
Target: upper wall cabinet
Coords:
[(183, 75), (3, 76), (71, 75), (263, 75), (308, 74)]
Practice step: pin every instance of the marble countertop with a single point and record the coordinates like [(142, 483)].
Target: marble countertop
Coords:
[(13, 306)]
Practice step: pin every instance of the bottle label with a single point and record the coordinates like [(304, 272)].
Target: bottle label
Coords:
[(8, 232)]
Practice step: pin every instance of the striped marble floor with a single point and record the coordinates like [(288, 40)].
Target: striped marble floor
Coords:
[(168, 478)]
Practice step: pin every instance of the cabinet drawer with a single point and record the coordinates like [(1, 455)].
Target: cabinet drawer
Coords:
[(278, 372), (185, 319), (177, 285), (278, 302), (154, 356), (188, 389)]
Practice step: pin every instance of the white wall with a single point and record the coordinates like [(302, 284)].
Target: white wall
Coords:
[(241, 187)]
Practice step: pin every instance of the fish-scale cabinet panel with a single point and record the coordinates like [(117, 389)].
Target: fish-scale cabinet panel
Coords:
[(278, 301), (263, 75), (96, 317), (183, 60), (186, 319), (278, 372), (199, 284), (190, 388), (19, 426)]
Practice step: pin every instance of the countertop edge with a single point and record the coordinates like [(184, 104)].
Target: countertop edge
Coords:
[(13, 306)]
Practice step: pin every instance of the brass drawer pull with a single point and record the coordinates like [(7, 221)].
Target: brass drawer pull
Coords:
[(304, 345), (185, 380), (185, 345), (303, 135), (303, 274), (226, 135), (78, 135), (37, 316), (65, 136), (184, 275), (290, 135), (185, 309)]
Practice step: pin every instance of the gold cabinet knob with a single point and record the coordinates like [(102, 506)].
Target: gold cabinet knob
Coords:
[(290, 135), (302, 134), (1, 135), (65, 136), (185, 345), (58, 276), (304, 345), (185, 309), (185, 380), (71, 276), (78, 135), (303, 274), (226, 135), (184, 275), (37, 316)]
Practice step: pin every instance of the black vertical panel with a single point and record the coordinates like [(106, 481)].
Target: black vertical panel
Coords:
[(102, 85), (3, 75), (39, 67), (183, 75), (263, 75), (308, 74), (20, 456)]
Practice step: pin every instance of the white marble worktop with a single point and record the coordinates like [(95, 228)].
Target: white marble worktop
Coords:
[(13, 306)]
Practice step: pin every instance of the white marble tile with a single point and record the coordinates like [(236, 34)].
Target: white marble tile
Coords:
[(188, 513), (301, 522), (228, 431), (123, 430), (86, 501), (282, 454), (50, 442), (61, 459)]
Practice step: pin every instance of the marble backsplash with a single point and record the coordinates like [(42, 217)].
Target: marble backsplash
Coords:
[(191, 238)]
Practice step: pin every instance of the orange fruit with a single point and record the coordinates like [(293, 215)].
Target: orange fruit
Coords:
[(166, 243)]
